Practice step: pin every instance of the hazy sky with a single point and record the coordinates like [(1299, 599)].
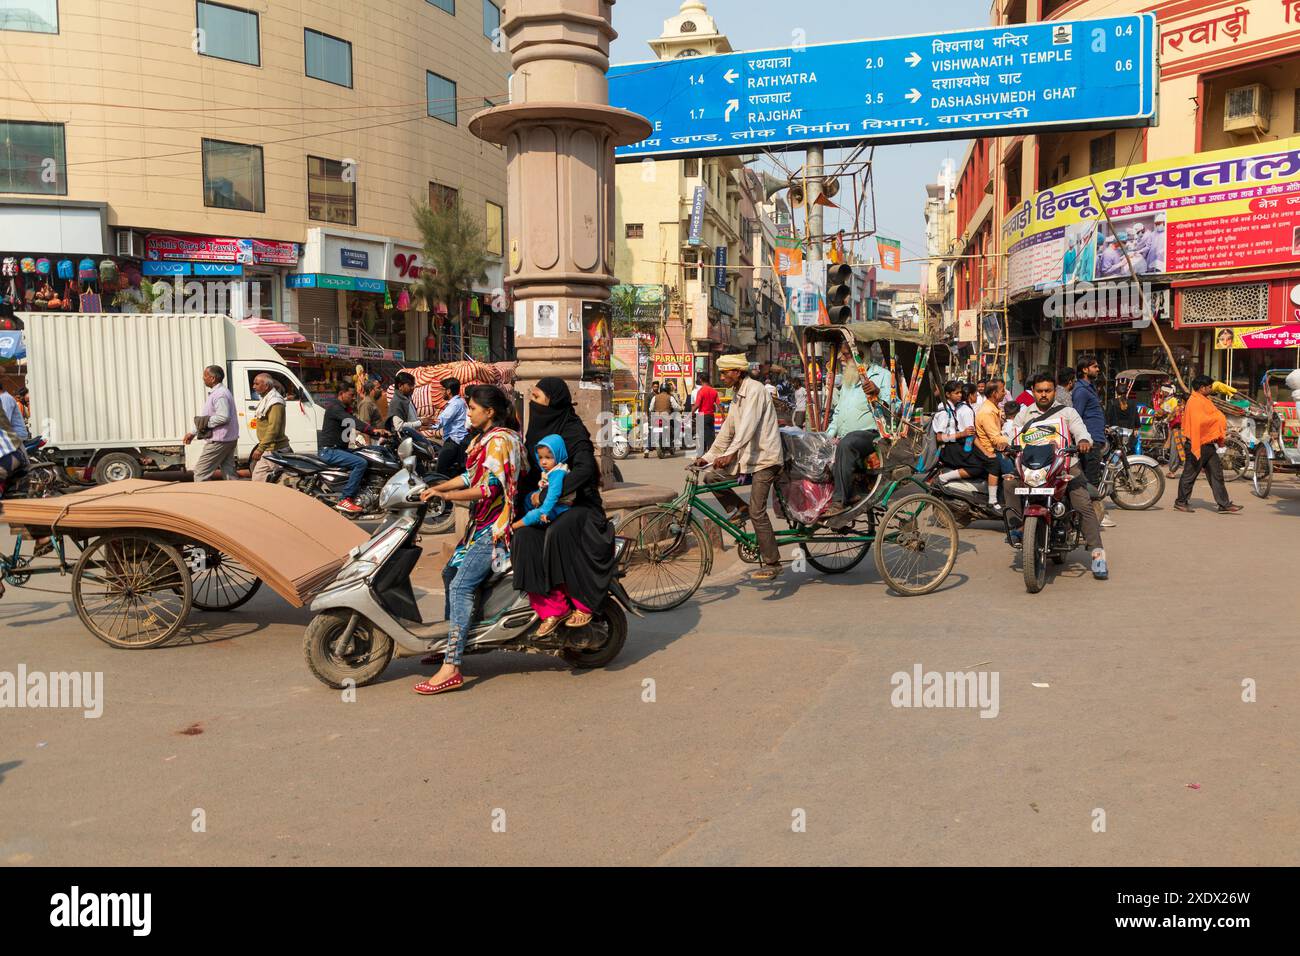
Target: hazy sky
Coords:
[(901, 171)]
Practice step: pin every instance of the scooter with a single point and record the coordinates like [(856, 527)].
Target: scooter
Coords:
[(369, 612)]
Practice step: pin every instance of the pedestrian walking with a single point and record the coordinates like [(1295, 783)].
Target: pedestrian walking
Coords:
[(1205, 430), (661, 407), (218, 427), (1087, 403), (800, 404), (269, 420), (706, 410)]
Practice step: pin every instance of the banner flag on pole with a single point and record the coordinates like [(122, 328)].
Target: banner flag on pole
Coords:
[(890, 252)]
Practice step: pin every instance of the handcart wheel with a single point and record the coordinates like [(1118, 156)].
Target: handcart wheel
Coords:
[(218, 581), (666, 559), (1262, 478), (132, 589), (835, 557), (916, 544)]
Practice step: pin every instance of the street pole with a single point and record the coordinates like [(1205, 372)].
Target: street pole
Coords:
[(560, 132), (815, 169)]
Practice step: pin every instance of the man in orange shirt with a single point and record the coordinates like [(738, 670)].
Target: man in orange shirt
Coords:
[(988, 435), (1204, 429)]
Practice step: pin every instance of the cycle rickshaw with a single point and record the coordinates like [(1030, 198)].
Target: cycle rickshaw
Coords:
[(914, 534)]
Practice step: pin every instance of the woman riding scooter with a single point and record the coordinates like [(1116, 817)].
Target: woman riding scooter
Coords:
[(494, 462)]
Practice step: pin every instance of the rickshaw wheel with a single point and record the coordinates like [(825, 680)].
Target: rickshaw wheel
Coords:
[(1235, 458), (218, 581), (1262, 479), (132, 590), (16, 575), (834, 557), (666, 560), (916, 545)]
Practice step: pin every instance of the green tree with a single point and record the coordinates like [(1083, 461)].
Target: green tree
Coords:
[(623, 308), (455, 257)]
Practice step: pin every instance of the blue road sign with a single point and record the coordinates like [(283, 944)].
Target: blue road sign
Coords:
[(991, 81)]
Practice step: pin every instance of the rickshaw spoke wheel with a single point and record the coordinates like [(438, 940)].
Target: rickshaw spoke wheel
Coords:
[(666, 558), (916, 545), (835, 557), (132, 590), (1262, 479), (218, 581)]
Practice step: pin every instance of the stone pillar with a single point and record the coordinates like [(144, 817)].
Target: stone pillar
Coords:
[(559, 133)]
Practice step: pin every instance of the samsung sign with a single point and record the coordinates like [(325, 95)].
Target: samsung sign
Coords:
[(354, 259)]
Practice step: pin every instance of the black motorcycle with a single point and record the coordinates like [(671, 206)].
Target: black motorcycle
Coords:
[(325, 482)]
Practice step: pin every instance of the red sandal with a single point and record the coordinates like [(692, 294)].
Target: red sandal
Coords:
[(425, 689)]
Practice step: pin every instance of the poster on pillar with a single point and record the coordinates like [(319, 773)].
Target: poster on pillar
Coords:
[(597, 343), (546, 319)]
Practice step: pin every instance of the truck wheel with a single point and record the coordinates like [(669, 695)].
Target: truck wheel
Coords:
[(117, 466)]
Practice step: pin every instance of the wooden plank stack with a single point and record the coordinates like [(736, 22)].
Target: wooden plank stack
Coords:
[(293, 542)]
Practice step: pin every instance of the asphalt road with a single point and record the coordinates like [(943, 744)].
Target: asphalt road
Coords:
[(771, 737)]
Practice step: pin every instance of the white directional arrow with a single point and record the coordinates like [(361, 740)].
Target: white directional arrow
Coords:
[(914, 59), (914, 95), (731, 76), (733, 105)]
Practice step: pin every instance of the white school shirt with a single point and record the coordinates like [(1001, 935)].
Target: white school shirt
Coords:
[(948, 420)]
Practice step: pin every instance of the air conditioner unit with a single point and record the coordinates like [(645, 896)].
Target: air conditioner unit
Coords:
[(130, 244), (1246, 109)]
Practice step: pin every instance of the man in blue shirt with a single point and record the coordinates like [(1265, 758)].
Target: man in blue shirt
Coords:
[(13, 413), (1088, 404), (453, 428)]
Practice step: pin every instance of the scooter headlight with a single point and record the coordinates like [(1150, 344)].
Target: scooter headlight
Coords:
[(1035, 477), (355, 572)]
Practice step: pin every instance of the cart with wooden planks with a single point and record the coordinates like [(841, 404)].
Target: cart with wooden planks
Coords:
[(143, 555)]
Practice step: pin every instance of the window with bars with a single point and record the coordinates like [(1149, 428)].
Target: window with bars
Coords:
[(1224, 304), (442, 197), (636, 230), (1101, 153)]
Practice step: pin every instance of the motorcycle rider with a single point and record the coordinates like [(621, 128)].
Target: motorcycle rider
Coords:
[(453, 429), (335, 436), (1055, 421)]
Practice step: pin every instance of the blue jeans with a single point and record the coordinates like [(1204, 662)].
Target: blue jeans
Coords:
[(345, 459), (461, 583)]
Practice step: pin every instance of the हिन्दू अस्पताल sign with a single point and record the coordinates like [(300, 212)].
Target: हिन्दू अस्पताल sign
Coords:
[(1059, 76)]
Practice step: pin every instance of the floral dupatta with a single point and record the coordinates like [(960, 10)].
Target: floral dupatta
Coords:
[(496, 454)]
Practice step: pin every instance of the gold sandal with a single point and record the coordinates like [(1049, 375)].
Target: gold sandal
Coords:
[(578, 619), (548, 626)]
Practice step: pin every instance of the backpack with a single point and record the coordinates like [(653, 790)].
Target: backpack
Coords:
[(65, 269), (107, 272), (86, 270), (29, 265), (43, 266), (10, 266)]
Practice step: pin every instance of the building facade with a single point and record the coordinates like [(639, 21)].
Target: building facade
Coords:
[(276, 147), (1201, 210), (701, 229)]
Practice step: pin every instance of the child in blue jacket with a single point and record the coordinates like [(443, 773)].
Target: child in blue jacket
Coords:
[(547, 502)]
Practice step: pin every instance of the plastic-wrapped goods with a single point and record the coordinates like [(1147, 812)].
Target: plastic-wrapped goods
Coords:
[(807, 454), (805, 500), (1293, 383)]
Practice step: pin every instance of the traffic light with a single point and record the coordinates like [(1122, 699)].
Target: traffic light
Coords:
[(839, 292)]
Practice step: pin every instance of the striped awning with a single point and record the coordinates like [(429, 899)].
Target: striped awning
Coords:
[(275, 333)]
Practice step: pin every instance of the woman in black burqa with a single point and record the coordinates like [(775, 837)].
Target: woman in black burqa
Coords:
[(572, 557)]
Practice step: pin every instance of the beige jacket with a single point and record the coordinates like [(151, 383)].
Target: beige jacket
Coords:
[(751, 431)]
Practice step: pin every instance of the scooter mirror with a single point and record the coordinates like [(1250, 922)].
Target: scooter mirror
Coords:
[(406, 449)]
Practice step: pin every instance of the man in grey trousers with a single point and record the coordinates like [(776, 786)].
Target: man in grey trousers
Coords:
[(221, 437)]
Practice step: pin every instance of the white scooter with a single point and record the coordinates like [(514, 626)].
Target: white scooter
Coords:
[(369, 611)]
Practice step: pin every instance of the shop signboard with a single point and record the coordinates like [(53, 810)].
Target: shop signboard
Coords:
[(313, 280), (1257, 337), (213, 249), (357, 352), (203, 269), (1233, 208), (354, 258), (697, 217), (968, 325), (673, 366)]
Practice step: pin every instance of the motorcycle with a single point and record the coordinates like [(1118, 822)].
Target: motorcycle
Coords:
[(325, 482), (1133, 482), (41, 478), (369, 612), (1051, 529)]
